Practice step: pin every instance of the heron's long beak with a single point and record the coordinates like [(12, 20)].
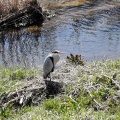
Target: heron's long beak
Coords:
[(61, 52)]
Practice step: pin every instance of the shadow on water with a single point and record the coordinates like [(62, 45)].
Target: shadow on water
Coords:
[(90, 29)]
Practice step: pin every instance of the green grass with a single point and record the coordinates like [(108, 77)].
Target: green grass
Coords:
[(13, 78), (57, 110), (95, 94)]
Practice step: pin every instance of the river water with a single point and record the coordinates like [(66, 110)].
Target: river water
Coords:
[(90, 28)]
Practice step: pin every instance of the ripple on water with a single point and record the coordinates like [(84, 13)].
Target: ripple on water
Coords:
[(87, 29)]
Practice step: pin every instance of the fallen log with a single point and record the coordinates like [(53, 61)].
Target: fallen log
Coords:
[(28, 15)]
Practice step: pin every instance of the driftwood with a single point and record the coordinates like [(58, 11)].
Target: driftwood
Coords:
[(29, 14), (31, 94)]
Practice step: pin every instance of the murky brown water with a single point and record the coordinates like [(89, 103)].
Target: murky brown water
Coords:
[(90, 28)]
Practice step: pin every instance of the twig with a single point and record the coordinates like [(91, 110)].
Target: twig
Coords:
[(116, 83), (101, 107)]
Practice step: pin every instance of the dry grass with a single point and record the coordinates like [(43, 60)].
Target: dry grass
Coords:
[(9, 6), (91, 92), (19, 13)]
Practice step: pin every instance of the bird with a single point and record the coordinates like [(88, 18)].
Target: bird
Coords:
[(50, 62)]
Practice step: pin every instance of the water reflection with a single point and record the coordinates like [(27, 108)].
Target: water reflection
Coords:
[(91, 30), (25, 47)]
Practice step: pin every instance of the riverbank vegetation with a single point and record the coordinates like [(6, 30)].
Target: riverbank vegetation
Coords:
[(90, 92), (20, 13)]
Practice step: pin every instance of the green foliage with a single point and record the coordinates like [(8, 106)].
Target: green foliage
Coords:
[(84, 101), (94, 94), (5, 73), (12, 78), (113, 64), (52, 104), (5, 112), (19, 74), (66, 103), (101, 81), (59, 105)]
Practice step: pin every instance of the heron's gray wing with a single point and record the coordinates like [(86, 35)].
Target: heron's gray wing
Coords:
[(48, 66), (52, 59)]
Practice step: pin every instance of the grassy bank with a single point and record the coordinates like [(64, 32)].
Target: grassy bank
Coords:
[(15, 78), (91, 92)]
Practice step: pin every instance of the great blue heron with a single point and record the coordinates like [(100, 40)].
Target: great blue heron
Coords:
[(50, 62)]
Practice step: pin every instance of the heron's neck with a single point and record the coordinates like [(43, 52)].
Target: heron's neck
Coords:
[(56, 57)]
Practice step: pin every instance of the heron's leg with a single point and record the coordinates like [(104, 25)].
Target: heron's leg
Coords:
[(49, 76)]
